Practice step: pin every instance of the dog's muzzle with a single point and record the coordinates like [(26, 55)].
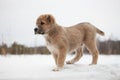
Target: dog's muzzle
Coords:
[(38, 31)]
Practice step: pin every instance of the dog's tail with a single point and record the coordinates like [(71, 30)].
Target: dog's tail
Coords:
[(100, 32)]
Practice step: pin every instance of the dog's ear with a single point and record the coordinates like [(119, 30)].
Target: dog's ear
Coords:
[(50, 19)]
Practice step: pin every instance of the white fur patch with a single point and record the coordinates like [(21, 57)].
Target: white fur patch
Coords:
[(52, 48)]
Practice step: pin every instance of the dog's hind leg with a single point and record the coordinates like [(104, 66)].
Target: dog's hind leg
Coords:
[(93, 50), (78, 55)]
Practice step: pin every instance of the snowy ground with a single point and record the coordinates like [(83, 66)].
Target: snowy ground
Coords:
[(38, 67)]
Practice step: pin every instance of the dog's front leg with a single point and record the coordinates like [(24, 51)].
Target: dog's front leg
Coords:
[(60, 59), (55, 56)]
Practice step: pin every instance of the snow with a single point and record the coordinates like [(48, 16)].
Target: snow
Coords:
[(22, 67)]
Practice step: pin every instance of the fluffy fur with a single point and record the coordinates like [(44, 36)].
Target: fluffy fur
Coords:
[(62, 40)]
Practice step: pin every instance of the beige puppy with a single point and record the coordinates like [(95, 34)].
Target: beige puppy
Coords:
[(62, 40)]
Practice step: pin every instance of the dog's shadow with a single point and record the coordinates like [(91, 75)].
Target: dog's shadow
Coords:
[(78, 67)]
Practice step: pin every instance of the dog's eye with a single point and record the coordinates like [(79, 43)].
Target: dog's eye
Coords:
[(42, 23)]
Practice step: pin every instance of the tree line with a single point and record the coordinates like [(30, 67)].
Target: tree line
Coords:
[(104, 47), (19, 49)]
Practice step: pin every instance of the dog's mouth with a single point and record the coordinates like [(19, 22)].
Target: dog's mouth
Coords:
[(38, 31)]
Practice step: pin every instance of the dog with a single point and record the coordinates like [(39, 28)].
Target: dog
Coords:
[(62, 40)]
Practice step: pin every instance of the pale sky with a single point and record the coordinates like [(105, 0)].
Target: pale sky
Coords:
[(18, 17)]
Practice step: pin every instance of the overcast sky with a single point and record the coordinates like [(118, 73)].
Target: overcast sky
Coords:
[(18, 17)]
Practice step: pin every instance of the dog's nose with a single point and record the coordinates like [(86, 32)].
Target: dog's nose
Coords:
[(35, 30)]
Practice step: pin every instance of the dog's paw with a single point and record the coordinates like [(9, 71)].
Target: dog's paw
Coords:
[(57, 69), (69, 62)]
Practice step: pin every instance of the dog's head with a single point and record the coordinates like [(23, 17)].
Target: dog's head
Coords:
[(44, 24)]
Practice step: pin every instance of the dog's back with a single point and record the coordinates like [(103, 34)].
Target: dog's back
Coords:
[(81, 33)]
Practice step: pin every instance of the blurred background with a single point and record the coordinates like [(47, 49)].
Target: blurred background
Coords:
[(18, 20)]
